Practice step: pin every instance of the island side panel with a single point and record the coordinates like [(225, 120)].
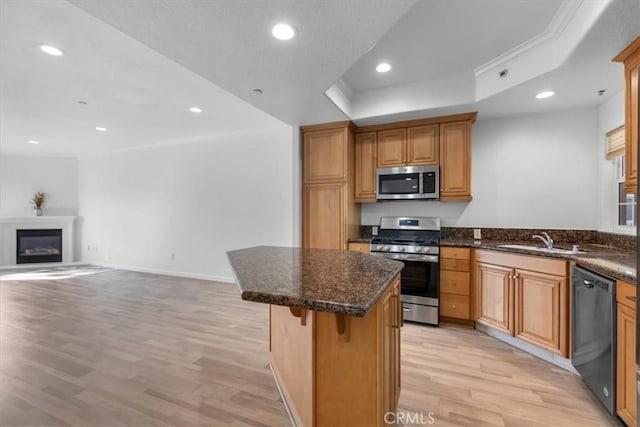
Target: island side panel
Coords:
[(355, 376), (292, 360)]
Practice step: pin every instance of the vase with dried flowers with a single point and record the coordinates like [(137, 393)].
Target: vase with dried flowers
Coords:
[(38, 203)]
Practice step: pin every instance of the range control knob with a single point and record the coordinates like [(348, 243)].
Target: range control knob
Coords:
[(386, 248), (420, 249), (378, 248), (401, 249)]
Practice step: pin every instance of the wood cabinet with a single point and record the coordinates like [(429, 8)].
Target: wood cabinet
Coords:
[(411, 146), (330, 215), (422, 145), (455, 161), (392, 148), (391, 323), (443, 141), (339, 377), (366, 164), (630, 56), (360, 247), (626, 353), (526, 297), (455, 283)]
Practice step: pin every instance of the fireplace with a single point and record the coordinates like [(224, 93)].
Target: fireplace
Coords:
[(43, 245)]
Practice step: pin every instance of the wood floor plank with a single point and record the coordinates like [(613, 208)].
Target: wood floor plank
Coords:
[(89, 346)]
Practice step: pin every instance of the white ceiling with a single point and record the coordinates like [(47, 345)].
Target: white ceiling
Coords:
[(141, 64)]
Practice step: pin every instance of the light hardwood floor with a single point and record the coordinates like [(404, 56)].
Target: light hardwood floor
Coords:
[(112, 347)]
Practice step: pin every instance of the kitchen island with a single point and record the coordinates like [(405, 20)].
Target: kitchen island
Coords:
[(335, 319)]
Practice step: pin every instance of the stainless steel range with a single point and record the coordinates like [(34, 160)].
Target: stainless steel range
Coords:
[(416, 242)]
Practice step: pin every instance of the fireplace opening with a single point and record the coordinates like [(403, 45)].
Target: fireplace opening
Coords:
[(39, 246)]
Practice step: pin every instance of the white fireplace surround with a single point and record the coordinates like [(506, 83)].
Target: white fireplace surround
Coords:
[(9, 226)]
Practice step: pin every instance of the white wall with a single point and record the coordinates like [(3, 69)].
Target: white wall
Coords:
[(529, 171), (21, 176), (610, 116), (196, 200)]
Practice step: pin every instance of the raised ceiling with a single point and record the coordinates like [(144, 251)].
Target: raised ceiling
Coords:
[(141, 64)]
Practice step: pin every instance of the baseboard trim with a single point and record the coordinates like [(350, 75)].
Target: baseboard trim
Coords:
[(43, 265), (165, 272), (547, 356)]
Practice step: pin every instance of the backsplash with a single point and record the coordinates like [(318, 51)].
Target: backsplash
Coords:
[(570, 237)]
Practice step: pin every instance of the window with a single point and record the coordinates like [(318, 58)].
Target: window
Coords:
[(626, 202)]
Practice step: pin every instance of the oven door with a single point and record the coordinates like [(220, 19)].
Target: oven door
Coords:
[(419, 282)]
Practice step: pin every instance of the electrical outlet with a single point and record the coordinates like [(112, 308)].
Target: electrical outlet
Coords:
[(477, 235), (89, 248), (374, 230), (173, 256)]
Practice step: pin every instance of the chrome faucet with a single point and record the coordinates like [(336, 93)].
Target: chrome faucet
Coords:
[(546, 239)]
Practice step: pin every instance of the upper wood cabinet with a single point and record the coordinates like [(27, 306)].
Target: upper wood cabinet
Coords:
[(330, 215), (455, 161), (630, 56), (443, 141), (366, 163), (422, 145), (392, 148), (524, 296), (411, 146), (325, 155)]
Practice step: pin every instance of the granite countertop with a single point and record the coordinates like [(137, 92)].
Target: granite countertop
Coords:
[(334, 281), (600, 258)]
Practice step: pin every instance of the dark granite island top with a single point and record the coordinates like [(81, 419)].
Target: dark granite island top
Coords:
[(325, 280)]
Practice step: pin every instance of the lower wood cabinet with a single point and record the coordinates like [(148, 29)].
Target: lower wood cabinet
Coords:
[(455, 283), (626, 353), (526, 297), (332, 376)]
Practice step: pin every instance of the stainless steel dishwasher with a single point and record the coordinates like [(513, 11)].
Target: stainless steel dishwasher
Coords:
[(593, 327)]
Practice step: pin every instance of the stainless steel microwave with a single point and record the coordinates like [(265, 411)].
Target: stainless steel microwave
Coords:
[(408, 182)]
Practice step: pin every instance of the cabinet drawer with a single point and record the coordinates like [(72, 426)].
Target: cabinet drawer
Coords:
[(626, 294), (360, 247), (454, 264), (454, 306), (454, 282), (454, 253)]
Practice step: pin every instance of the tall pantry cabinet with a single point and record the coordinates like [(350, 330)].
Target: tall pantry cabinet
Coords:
[(330, 215)]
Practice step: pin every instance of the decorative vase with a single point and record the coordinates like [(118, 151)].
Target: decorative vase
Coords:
[(37, 211)]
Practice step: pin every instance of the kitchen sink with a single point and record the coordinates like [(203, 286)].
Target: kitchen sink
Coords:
[(539, 249)]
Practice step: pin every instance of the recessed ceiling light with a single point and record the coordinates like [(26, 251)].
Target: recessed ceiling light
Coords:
[(545, 94), (257, 91), (195, 109), (51, 50), (383, 67), (101, 129), (31, 141), (283, 31)]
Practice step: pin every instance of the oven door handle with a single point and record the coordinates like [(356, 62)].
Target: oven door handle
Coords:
[(408, 257)]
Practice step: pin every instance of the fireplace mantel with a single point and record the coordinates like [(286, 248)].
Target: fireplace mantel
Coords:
[(10, 224)]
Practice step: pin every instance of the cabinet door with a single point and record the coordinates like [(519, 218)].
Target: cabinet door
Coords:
[(366, 162), (493, 297), (396, 342), (631, 125), (325, 155), (392, 148), (422, 145), (626, 365), (455, 161), (541, 310), (388, 353), (324, 210)]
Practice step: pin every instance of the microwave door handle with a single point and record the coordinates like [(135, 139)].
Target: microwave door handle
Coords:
[(420, 183)]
